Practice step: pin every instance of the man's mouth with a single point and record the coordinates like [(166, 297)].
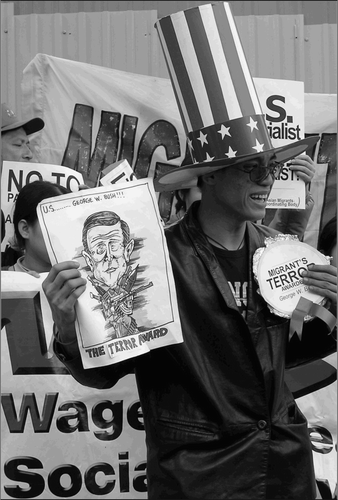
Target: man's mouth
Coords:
[(111, 269), (259, 197)]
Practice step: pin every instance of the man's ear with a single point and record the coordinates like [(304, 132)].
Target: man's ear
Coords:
[(129, 249), (23, 228), (88, 260), (209, 179)]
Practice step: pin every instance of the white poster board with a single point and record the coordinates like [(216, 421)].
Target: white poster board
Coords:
[(282, 101), (115, 232)]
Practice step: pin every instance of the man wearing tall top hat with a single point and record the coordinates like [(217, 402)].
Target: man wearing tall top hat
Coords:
[(220, 422)]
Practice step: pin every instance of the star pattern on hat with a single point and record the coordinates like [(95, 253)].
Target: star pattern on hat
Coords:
[(209, 158), (258, 147), (202, 138), (224, 131), (231, 153), (229, 140), (252, 124), (190, 144)]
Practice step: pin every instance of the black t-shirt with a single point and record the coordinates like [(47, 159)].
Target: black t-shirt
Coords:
[(235, 267)]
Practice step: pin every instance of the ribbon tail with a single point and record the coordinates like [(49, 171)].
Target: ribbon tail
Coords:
[(323, 314), (297, 318)]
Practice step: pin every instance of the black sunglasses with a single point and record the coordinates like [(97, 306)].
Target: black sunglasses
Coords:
[(259, 173)]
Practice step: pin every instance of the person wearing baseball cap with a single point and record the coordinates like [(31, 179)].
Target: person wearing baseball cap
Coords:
[(15, 134), (15, 146), (220, 421)]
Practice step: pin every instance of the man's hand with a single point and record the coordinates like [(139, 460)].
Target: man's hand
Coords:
[(62, 287), (322, 279), (304, 167)]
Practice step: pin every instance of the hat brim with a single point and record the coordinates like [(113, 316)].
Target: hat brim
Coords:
[(30, 126), (183, 177)]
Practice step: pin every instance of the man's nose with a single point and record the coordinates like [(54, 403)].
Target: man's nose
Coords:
[(27, 154), (110, 257), (109, 254), (268, 181)]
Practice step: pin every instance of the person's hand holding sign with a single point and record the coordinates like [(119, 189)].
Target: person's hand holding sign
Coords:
[(304, 167), (62, 287)]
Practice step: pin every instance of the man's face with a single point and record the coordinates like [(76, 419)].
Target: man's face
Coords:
[(15, 146), (108, 257), (240, 197)]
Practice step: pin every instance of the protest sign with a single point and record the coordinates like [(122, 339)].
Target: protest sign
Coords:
[(116, 234), (282, 102), (120, 171), (15, 175), (288, 191)]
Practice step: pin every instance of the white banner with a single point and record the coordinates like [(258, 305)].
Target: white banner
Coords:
[(62, 440)]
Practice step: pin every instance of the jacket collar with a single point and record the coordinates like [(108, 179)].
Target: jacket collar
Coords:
[(254, 240)]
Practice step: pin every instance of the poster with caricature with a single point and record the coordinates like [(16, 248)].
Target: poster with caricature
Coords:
[(116, 234)]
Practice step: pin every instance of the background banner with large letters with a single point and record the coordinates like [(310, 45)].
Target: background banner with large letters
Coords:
[(96, 116), (62, 440)]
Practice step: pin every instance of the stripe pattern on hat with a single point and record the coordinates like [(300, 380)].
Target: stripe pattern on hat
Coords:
[(207, 66)]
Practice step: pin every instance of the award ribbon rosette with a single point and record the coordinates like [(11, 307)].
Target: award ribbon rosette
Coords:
[(278, 268)]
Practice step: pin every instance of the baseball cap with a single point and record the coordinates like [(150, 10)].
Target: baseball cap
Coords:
[(9, 121)]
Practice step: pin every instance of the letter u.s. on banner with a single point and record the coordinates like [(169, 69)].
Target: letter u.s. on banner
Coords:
[(60, 439)]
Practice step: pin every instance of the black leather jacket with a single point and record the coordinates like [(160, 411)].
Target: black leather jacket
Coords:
[(220, 422)]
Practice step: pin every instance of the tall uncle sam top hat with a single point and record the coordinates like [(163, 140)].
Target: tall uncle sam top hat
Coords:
[(215, 93)]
